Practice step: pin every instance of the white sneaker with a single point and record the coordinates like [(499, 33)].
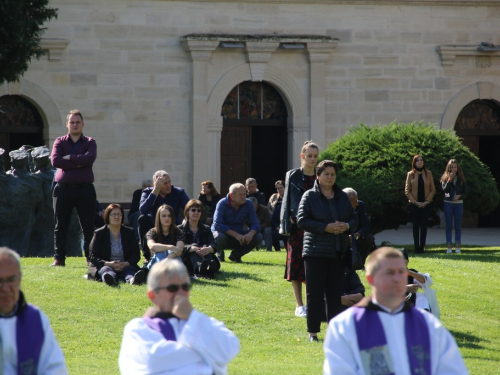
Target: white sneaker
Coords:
[(448, 251), (301, 312), (457, 250)]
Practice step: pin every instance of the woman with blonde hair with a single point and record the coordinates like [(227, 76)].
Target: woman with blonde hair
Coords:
[(297, 182), (455, 190), (419, 189)]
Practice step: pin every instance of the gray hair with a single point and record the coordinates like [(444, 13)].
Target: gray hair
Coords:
[(254, 200), (165, 269), (350, 192), (250, 180), (235, 186), (146, 183), (5, 251), (160, 173)]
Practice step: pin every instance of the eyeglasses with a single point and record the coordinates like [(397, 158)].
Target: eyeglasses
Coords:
[(195, 210), (116, 215), (11, 281), (172, 288)]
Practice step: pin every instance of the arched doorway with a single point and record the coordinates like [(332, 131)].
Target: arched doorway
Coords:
[(254, 136), (20, 124), (478, 124)]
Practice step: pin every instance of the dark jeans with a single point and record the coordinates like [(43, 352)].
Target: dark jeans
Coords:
[(276, 240), (65, 197), (198, 265), (419, 218), (144, 224), (453, 210), (227, 242), (125, 275), (323, 281)]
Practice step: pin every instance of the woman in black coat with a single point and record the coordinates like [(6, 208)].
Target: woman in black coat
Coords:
[(200, 246), (114, 251), (325, 214)]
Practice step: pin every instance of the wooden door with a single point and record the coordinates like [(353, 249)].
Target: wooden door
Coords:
[(472, 143), (236, 156)]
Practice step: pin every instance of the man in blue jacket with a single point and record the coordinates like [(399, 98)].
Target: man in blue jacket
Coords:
[(229, 225)]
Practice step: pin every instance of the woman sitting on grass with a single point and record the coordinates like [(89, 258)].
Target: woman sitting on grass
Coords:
[(199, 251), (165, 240), (114, 250)]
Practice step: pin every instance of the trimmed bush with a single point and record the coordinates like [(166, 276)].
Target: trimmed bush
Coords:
[(374, 160)]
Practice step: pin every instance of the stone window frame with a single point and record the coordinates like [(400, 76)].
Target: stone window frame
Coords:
[(306, 110)]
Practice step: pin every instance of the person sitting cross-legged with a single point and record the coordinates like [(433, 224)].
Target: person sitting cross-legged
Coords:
[(200, 246), (114, 251), (229, 226), (172, 337)]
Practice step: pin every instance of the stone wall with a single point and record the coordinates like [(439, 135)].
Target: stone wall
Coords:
[(125, 68)]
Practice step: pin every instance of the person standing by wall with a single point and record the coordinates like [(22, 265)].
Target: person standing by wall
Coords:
[(455, 190), (297, 182), (73, 155), (419, 190)]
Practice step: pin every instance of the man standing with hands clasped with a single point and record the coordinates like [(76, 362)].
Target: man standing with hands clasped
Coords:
[(385, 334), (73, 155)]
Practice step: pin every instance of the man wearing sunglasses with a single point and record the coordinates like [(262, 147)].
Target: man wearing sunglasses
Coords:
[(172, 337), (27, 342)]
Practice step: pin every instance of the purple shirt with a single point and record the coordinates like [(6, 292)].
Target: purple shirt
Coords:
[(77, 170)]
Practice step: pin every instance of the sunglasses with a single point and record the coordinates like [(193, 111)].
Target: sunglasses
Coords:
[(195, 210), (172, 288)]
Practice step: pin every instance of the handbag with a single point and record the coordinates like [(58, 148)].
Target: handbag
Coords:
[(356, 260)]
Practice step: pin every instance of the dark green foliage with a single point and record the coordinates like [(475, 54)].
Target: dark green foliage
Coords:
[(20, 33), (374, 161)]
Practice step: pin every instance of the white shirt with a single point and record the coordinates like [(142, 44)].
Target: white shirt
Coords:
[(204, 346), (342, 351), (51, 361)]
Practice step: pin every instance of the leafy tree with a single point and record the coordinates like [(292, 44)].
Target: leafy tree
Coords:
[(374, 160), (20, 32)]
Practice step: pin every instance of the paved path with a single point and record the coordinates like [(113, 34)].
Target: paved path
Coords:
[(470, 236)]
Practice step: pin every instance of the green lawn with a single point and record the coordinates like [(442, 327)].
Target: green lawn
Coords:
[(256, 303)]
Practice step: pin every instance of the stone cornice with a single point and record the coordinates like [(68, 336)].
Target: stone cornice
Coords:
[(263, 38), (474, 3), (448, 53), (55, 46)]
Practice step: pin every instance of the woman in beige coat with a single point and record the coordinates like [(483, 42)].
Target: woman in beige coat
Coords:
[(419, 190)]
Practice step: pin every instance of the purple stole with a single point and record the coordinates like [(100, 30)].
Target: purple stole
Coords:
[(29, 339), (373, 346), (162, 326)]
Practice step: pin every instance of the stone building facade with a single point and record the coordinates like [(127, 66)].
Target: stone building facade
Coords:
[(151, 77)]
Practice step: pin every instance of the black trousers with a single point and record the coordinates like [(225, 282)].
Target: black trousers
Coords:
[(323, 281), (144, 224), (419, 218), (65, 198)]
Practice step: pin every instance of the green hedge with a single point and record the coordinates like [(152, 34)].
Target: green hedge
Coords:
[(374, 161)]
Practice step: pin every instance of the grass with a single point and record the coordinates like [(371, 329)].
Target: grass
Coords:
[(254, 301)]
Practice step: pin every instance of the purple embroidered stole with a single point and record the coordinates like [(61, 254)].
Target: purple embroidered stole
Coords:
[(162, 326), (29, 339), (373, 346)]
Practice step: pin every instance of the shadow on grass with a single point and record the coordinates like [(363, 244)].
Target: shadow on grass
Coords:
[(467, 340), (224, 276), (487, 256)]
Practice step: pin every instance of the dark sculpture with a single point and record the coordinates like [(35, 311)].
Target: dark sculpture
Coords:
[(26, 209)]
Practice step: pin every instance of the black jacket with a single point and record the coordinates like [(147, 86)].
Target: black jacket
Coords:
[(294, 189), (364, 227), (450, 190), (100, 247), (205, 236), (314, 215)]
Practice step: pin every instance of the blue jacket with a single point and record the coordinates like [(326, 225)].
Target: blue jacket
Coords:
[(177, 199), (226, 217)]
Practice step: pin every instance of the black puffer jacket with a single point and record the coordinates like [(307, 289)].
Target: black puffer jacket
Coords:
[(314, 215), (294, 189)]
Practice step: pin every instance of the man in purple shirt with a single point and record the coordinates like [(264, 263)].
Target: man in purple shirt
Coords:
[(73, 155), (230, 224)]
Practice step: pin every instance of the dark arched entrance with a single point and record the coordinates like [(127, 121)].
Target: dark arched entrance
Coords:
[(20, 124), (478, 124), (254, 136)]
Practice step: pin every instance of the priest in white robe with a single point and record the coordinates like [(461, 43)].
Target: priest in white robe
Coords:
[(172, 337), (385, 335)]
